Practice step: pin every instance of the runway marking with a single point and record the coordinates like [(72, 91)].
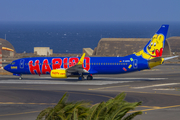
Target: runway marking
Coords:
[(156, 85), (153, 108), (140, 92), (20, 103), (86, 82), (20, 113), (106, 81), (156, 108), (87, 94), (47, 103), (151, 70), (149, 106), (108, 87), (166, 89), (134, 78)]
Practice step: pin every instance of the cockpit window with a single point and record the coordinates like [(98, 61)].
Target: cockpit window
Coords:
[(12, 63)]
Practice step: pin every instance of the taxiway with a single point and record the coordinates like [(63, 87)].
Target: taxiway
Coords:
[(158, 89)]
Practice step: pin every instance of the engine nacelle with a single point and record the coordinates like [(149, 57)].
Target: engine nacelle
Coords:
[(58, 73)]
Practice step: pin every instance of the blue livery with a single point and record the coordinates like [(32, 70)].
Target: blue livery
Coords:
[(63, 67)]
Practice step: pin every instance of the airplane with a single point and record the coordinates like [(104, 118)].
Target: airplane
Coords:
[(64, 67)]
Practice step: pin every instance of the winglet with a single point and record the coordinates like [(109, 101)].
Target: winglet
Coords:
[(81, 61)]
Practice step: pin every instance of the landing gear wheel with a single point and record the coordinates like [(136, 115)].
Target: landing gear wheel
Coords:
[(20, 78), (81, 78), (89, 77)]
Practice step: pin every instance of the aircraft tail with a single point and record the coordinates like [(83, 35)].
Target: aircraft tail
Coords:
[(154, 48)]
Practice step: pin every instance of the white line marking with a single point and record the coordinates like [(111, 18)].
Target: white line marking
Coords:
[(94, 78), (87, 82), (74, 81), (165, 89), (157, 85), (107, 78)]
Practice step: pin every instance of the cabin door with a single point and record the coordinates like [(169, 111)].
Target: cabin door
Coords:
[(22, 63), (135, 63)]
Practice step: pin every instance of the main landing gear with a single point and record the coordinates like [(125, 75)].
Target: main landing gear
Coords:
[(89, 77), (81, 78), (20, 77)]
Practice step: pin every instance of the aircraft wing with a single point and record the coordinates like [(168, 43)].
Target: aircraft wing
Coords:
[(78, 68)]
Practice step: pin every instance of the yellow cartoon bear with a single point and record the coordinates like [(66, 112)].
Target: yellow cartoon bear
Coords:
[(154, 49)]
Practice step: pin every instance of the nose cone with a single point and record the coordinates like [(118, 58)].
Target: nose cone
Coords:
[(6, 67)]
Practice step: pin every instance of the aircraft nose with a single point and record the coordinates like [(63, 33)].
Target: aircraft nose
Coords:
[(6, 67)]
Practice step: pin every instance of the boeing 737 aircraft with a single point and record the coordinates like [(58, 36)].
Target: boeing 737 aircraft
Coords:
[(63, 67)]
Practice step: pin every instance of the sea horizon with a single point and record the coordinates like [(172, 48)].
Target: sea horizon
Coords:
[(72, 37)]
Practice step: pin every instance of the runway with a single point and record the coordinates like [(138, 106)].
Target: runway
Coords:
[(158, 89)]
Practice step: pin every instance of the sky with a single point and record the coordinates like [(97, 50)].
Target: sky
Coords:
[(90, 10)]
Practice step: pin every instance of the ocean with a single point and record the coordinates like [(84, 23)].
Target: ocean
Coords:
[(72, 37)]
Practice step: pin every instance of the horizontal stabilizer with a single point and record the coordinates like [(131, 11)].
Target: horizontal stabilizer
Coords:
[(156, 59), (170, 57)]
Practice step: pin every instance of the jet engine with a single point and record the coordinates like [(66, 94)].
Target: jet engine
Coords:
[(59, 73)]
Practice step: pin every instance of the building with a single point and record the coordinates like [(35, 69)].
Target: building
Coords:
[(124, 46), (0, 56), (45, 51), (174, 43), (7, 48), (88, 51)]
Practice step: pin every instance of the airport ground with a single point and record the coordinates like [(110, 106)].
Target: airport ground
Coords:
[(158, 89)]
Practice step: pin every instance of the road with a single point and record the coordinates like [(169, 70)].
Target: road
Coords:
[(158, 89)]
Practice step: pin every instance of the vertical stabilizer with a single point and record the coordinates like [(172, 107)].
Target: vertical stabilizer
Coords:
[(154, 48)]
